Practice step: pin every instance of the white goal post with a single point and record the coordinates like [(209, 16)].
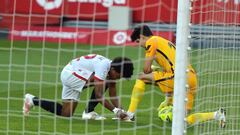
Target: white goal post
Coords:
[(181, 59)]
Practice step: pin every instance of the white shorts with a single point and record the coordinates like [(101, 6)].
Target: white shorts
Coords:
[(72, 86)]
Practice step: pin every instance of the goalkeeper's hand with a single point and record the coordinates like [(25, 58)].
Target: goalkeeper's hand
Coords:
[(162, 105), (168, 101)]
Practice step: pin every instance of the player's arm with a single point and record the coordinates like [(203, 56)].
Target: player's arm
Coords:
[(99, 92), (100, 85), (147, 65), (113, 94), (150, 56)]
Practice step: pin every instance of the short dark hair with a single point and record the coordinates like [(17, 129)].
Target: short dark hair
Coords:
[(123, 65), (144, 30)]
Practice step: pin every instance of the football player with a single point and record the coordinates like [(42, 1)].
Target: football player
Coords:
[(84, 71), (163, 52)]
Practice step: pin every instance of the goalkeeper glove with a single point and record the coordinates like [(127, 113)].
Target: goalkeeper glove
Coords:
[(168, 101)]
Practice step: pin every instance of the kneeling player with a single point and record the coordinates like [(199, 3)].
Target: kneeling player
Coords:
[(163, 53), (86, 70)]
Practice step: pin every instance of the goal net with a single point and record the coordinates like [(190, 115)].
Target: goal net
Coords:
[(215, 49), (38, 38)]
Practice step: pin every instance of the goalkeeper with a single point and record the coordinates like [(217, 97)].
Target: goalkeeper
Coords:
[(162, 52)]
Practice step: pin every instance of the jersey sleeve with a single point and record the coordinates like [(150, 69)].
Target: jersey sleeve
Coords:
[(150, 48), (101, 71)]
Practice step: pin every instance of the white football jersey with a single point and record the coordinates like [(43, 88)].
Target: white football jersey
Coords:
[(85, 66)]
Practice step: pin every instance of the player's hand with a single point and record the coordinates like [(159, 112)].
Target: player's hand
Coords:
[(120, 113), (123, 115), (162, 105), (168, 101)]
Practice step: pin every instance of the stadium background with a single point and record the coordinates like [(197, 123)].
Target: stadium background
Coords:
[(91, 19)]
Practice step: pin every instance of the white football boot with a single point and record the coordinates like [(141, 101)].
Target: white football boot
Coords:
[(28, 103), (220, 115), (131, 117), (92, 116)]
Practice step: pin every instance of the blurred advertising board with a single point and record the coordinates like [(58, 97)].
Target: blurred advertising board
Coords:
[(77, 35)]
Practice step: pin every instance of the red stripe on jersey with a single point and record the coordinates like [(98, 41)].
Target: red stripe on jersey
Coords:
[(90, 56), (97, 78), (80, 77)]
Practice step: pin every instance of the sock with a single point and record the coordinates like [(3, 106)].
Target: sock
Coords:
[(200, 117), (137, 94), (92, 103), (49, 106)]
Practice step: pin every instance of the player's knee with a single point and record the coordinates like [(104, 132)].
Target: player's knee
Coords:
[(68, 108), (144, 78), (67, 111), (67, 114), (141, 76)]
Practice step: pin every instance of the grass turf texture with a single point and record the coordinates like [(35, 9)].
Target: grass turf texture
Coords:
[(35, 68)]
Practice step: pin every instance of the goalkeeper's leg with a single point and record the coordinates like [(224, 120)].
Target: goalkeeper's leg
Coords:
[(199, 117), (191, 92), (165, 82), (219, 115), (137, 94)]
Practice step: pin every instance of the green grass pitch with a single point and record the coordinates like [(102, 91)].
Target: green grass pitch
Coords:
[(35, 68)]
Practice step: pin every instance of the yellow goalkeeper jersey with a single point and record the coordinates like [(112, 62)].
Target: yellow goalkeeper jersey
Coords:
[(164, 52)]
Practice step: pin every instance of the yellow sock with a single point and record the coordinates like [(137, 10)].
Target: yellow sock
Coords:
[(137, 94), (199, 117)]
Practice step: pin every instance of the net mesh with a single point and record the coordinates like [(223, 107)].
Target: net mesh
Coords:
[(215, 47)]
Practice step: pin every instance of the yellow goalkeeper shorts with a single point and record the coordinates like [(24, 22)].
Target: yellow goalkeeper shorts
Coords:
[(165, 81)]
